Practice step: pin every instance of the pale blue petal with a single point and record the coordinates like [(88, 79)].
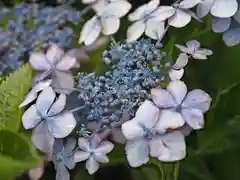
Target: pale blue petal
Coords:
[(220, 25), (104, 147), (69, 162), (84, 144), (197, 99), (58, 106), (42, 138), (45, 100), (137, 152), (194, 118), (102, 158), (62, 172), (69, 146), (62, 125), (232, 37), (92, 165), (30, 118)]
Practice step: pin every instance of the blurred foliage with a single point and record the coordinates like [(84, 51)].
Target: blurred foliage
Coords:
[(17, 153)]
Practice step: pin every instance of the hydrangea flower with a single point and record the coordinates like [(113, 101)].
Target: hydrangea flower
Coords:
[(94, 151), (145, 20), (147, 133), (33, 94), (64, 158), (106, 21), (48, 119), (174, 101), (178, 14), (193, 50), (218, 8), (230, 27), (56, 65)]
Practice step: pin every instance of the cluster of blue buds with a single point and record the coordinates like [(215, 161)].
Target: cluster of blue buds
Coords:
[(28, 26), (121, 89)]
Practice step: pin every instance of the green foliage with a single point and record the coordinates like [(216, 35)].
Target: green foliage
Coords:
[(12, 92), (17, 153)]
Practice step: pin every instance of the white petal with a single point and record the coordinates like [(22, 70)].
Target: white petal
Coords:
[(117, 8), (30, 97), (42, 138), (163, 12), (90, 31), (58, 105), (200, 56), (181, 61), (224, 9), (67, 62), (162, 98), (147, 114), (45, 100), (36, 173), (179, 19), (172, 147), (131, 130), (169, 120), (30, 117), (137, 152), (62, 125), (197, 99), (110, 24), (102, 158), (178, 89), (135, 31), (80, 156), (38, 61), (194, 118), (188, 4), (104, 148), (54, 54), (183, 48), (88, 1), (84, 144), (220, 25), (176, 74), (143, 10), (154, 29), (92, 165), (204, 8), (206, 52), (62, 82)]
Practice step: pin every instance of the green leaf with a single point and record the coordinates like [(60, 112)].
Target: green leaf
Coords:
[(80, 173), (12, 92), (195, 169), (16, 154)]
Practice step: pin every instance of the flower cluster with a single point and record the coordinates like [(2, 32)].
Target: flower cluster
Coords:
[(126, 104), (226, 18), (29, 26), (128, 83)]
